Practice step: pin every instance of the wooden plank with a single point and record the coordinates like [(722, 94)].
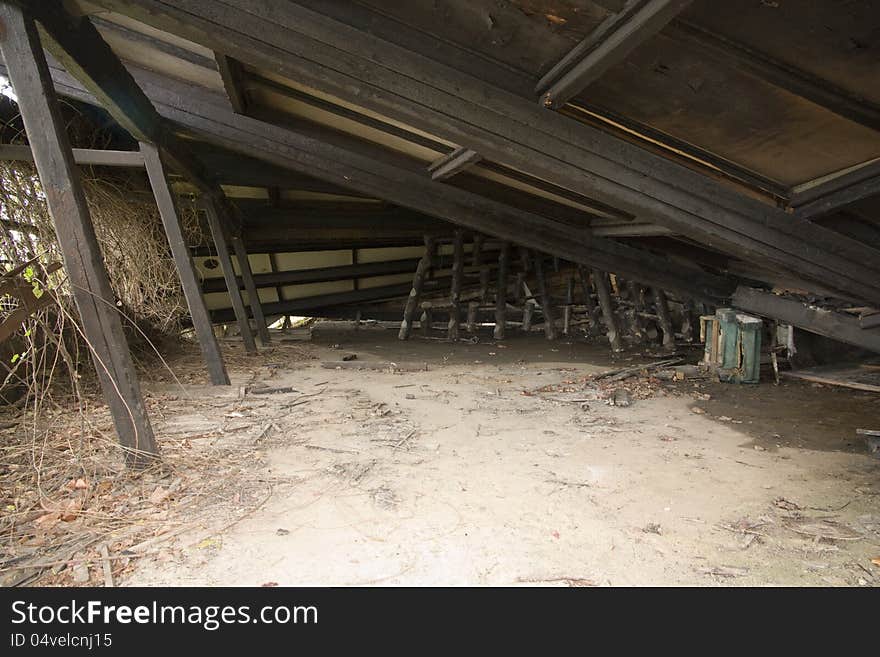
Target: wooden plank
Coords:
[(82, 156), (603, 292), (636, 24), (218, 233), (501, 292), (810, 318), (415, 293), (457, 277), (456, 162), (247, 276), (189, 281), (830, 379), (83, 261)]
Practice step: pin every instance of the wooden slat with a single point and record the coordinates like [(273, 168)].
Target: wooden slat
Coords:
[(247, 276)]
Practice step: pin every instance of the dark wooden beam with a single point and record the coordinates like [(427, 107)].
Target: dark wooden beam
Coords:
[(321, 274), (247, 276), (815, 200), (232, 75), (82, 156), (189, 281), (83, 262), (456, 162), (218, 233), (415, 89), (834, 325), (609, 45)]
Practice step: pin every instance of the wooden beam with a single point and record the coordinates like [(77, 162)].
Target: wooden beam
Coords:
[(455, 292), (837, 192), (411, 87), (546, 300), (610, 45), (218, 233), (168, 211), (415, 294), (603, 292), (456, 162), (665, 318), (232, 74), (247, 276), (834, 325), (84, 264), (501, 292), (82, 156)]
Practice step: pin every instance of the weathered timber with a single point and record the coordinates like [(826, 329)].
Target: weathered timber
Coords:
[(589, 302), (457, 276), (415, 293), (232, 75), (426, 321), (411, 87), (501, 292), (603, 292), (29, 75), (218, 233), (82, 156), (664, 318), (637, 23), (834, 325), (168, 211), (473, 307), (449, 165), (247, 276), (546, 301)]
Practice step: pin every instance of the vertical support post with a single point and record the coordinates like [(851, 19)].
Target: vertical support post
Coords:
[(247, 276), (29, 75), (457, 275), (569, 302), (501, 294), (603, 291), (415, 294), (189, 281), (528, 309), (589, 302), (426, 321), (473, 306), (519, 293), (665, 319), (477, 252), (546, 301), (222, 248)]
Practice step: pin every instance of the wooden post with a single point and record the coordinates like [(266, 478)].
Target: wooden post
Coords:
[(665, 319), (569, 302), (600, 280), (528, 309), (635, 297), (473, 306), (189, 281), (589, 302), (519, 293), (218, 232), (477, 252), (501, 294), (247, 276), (30, 78), (415, 293), (426, 321), (457, 276), (546, 301)]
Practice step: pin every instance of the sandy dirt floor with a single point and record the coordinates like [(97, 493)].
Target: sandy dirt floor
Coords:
[(500, 466)]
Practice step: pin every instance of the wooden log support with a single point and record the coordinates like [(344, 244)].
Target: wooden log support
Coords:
[(167, 204), (569, 302), (244, 265), (473, 306), (501, 294), (635, 294), (589, 302), (528, 311), (546, 301), (519, 292), (426, 321), (477, 249), (30, 78), (415, 293), (457, 277), (484, 284), (665, 318), (603, 291), (220, 244)]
